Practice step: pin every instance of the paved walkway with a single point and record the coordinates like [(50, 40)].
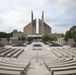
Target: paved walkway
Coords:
[(37, 59), (38, 69)]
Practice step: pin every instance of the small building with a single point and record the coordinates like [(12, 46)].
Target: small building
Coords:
[(15, 37), (61, 41), (4, 41)]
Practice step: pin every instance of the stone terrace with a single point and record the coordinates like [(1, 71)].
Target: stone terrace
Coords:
[(42, 60)]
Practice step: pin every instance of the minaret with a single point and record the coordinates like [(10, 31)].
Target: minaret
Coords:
[(32, 21), (42, 22), (31, 16), (42, 15)]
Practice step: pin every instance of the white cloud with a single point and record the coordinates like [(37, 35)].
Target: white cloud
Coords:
[(17, 13)]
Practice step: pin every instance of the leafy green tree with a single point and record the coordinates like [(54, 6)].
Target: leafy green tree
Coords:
[(23, 38), (55, 37), (20, 32), (66, 39), (0, 39), (70, 33), (74, 37), (19, 38), (8, 39), (15, 31), (66, 36), (3, 35), (51, 38), (29, 39), (62, 35), (45, 37)]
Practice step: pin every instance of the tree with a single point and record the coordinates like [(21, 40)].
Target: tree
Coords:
[(15, 31), (29, 39), (62, 35), (74, 37), (51, 38), (45, 37), (55, 37), (20, 32), (66, 36), (0, 39), (23, 38), (8, 39), (19, 38), (10, 34), (70, 33), (3, 35)]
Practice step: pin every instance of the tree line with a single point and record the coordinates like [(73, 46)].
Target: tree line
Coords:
[(47, 37), (8, 35), (5, 35), (71, 34)]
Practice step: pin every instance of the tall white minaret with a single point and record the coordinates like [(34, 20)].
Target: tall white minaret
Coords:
[(42, 15), (42, 22), (32, 21), (31, 15)]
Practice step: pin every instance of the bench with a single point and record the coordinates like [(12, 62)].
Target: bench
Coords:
[(18, 53), (69, 53), (15, 65), (69, 72), (11, 68), (6, 52), (12, 53), (16, 62), (63, 53), (52, 70), (67, 60), (8, 72), (57, 54), (49, 66), (3, 50)]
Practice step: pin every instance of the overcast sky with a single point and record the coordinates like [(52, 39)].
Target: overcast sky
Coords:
[(59, 14)]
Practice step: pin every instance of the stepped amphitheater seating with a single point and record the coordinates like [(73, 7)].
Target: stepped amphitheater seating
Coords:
[(65, 64), (1, 48), (10, 52), (13, 67), (9, 65), (17, 53), (1, 45)]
